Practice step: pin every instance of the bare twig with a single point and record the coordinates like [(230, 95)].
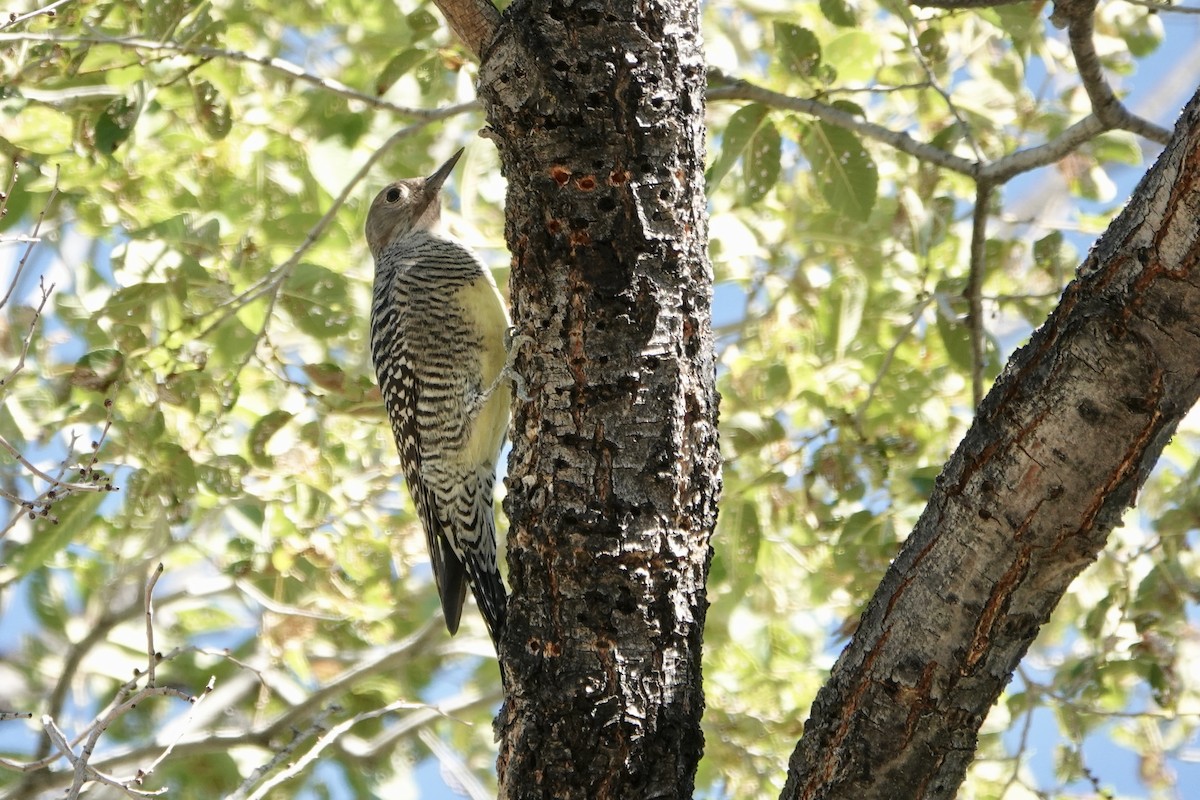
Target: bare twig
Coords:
[(316, 728), (48, 11), (151, 655), (54, 482), (418, 719), (385, 661), (33, 237), (915, 49), (83, 771), (1166, 7), (195, 701), (37, 314), (996, 172), (453, 765), (5, 195), (1042, 155), (270, 63), (860, 413)]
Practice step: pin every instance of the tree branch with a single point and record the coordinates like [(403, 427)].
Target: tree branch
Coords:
[(737, 89), (1078, 15), (979, 217), (958, 5), (473, 21), (1057, 452), (269, 63)]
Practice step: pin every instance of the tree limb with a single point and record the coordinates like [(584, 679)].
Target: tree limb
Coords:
[(1058, 450), (1078, 15), (473, 21)]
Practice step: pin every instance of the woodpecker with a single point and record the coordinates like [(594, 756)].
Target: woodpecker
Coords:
[(438, 340)]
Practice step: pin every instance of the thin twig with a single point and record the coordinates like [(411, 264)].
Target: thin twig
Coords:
[(269, 63), (330, 736), (901, 336), (37, 314), (315, 728), (453, 765), (54, 482), (1165, 7), (151, 655), (33, 237), (49, 11), (915, 49), (195, 701), (5, 195)]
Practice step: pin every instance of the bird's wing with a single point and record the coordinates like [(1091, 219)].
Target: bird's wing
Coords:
[(400, 382)]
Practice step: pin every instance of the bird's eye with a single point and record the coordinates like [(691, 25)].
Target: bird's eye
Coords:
[(393, 194)]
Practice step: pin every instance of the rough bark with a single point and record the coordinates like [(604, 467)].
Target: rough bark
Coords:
[(597, 109), (1057, 452)]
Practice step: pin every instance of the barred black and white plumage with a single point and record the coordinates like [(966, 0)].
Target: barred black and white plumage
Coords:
[(437, 339)]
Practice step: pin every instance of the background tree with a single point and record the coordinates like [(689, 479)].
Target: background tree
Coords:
[(214, 161)]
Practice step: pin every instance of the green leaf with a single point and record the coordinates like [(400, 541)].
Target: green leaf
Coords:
[(98, 370), (1117, 147), (422, 23), (39, 129), (133, 304), (956, 338), (798, 49), (932, 45), (855, 54), (212, 110), (1047, 251), (846, 174), (318, 301), (115, 124), (760, 163), (260, 435), (1143, 36), (400, 64), (742, 127), (839, 13)]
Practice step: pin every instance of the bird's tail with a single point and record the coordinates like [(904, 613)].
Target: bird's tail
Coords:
[(490, 596)]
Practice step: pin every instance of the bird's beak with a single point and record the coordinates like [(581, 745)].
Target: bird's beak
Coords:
[(434, 182)]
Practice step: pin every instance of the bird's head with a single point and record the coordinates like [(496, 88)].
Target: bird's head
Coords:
[(406, 206)]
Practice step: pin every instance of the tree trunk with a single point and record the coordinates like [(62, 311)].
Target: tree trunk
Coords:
[(1056, 453), (597, 108)]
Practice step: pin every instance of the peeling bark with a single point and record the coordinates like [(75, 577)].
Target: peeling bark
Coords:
[(597, 109), (1056, 454)]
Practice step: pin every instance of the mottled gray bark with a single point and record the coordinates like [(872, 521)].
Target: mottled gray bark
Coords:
[(1056, 454), (596, 108)]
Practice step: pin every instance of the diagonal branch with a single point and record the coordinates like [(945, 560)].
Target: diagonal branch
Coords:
[(1079, 16), (473, 21)]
